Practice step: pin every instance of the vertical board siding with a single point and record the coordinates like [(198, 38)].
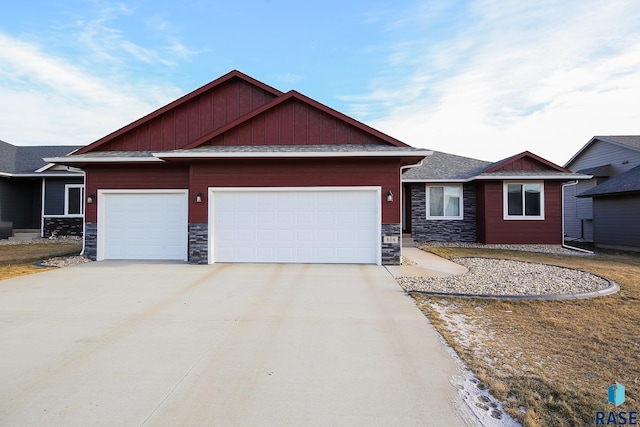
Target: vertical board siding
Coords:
[(525, 163), (294, 123), (197, 117)]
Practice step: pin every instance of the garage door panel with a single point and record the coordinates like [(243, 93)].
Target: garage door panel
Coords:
[(335, 226), (139, 225)]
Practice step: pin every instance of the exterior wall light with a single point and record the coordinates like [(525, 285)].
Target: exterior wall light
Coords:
[(199, 198), (90, 198), (389, 196)]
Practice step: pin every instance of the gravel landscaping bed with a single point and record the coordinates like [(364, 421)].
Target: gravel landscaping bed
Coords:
[(40, 241), (64, 261), (547, 249), (506, 277)]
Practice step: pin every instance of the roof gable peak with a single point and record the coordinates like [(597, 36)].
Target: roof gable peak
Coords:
[(524, 161), (279, 102), (178, 103)]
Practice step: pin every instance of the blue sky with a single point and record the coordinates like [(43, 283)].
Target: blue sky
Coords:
[(481, 78)]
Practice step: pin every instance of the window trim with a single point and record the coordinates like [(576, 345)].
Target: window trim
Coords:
[(523, 217), (460, 217), (67, 187)]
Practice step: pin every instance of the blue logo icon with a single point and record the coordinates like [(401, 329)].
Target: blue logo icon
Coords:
[(616, 394)]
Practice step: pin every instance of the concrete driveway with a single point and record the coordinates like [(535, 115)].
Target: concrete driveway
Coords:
[(131, 344)]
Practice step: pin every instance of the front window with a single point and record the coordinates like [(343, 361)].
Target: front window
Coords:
[(444, 202), (524, 200), (74, 199)]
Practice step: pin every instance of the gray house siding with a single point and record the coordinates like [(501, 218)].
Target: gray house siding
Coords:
[(424, 230), (616, 222), (579, 213), (20, 205), (55, 223), (54, 194)]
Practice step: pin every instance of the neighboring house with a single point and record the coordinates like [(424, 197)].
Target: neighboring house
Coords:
[(238, 171), (37, 196), (605, 209), (517, 200)]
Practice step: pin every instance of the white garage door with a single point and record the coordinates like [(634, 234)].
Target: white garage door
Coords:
[(143, 225), (319, 225)]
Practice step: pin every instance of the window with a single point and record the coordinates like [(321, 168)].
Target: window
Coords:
[(523, 200), (444, 202), (73, 199)]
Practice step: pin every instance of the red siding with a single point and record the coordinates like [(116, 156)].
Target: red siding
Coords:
[(524, 164), (294, 123), (296, 173), (126, 177), (197, 117), (493, 229)]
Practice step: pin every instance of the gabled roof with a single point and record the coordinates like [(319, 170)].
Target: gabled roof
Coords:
[(289, 97), (235, 74), (631, 142), (236, 109), (22, 160), (627, 182), (511, 163), (443, 167)]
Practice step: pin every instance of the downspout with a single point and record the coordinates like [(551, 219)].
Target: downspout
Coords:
[(563, 244), (84, 210), (43, 198), (402, 169)]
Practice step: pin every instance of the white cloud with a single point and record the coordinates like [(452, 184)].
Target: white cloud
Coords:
[(46, 100), (514, 76)]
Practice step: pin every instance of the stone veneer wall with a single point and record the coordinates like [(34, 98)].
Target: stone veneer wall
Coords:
[(62, 227), (423, 230), (91, 240), (391, 251), (198, 243)]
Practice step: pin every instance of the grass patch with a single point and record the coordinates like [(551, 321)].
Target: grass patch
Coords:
[(549, 362), (10, 271), (18, 260)]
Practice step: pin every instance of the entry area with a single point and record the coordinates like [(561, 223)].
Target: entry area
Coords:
[(143, 225), (335, 225)]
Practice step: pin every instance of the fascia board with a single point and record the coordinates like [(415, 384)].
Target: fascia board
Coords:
[(279, 154), (80, 160), (426, 180), (49, 175), (531, 177)]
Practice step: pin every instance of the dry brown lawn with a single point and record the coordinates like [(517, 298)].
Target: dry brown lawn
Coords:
[(18, 260), (549, 362)]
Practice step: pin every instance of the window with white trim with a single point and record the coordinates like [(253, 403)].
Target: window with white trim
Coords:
[(444, 202), (73, 199), (523, 200)]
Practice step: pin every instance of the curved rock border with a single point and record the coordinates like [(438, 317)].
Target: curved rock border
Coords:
[(612, 287)]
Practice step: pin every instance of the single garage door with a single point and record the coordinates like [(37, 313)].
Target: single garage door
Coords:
[(318, 225), (143, 225)]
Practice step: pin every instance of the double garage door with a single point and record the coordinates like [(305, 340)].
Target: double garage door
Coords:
[(289, 225)]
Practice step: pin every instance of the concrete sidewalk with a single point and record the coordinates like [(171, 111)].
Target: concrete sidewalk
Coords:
[(427, 264), (161, 344)]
